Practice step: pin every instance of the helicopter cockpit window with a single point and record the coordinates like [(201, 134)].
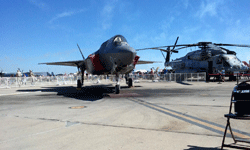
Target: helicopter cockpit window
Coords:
[(238, 59)]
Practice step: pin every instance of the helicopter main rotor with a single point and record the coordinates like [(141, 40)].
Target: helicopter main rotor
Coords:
[(202, 45)]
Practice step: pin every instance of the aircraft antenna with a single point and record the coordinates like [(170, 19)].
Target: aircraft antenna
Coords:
[(80, 51)]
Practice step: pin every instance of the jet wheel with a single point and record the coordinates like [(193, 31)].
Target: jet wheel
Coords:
[(79, 84), (130, 82), (117, 89)]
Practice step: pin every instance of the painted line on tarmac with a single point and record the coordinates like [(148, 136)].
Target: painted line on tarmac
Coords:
[(16, 93), (190, 119), (226, 95)]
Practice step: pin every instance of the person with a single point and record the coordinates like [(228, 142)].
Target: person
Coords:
[(18, 75), (32, 77), (152, 74), (31, 74), (223, 74), (24, 79), (165, 71)]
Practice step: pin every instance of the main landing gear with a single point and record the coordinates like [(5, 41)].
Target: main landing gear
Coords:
[(129, 81), (80, 82)]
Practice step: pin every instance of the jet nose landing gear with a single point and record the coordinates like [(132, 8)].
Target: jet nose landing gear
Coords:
[(117, 88)]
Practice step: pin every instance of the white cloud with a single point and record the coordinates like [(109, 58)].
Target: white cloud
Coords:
[(107, 14), (238, 31), (208, 8), (185, 3), (238, 34), (38, 3), (140, 40), (66, 14)]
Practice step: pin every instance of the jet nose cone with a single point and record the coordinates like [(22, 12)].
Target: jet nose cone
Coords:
[(127, 55), (128, 50)]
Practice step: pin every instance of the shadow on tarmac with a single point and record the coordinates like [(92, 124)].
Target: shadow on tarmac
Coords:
[(87, 93), (183, 83), (202, 148)]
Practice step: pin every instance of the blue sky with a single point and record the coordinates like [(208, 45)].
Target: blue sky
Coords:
[(36, 31)]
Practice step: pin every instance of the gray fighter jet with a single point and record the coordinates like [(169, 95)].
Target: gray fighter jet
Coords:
[(115, 57)]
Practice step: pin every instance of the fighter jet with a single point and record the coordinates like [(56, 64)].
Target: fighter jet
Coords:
[(115, 57)]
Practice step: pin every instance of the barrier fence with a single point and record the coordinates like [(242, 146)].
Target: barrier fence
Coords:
[(176, 77), (7, 82)]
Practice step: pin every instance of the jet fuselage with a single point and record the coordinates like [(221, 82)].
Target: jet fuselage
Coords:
[(115, 56)]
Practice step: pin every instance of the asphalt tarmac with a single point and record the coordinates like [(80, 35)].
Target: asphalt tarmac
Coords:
[(150, 115)]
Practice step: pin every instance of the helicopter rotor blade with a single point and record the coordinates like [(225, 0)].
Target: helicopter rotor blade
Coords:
[(175, 42), (228, 51), (164, 50), (163, 55), (186, 45), (239, 45), (146, 49), (157, 48), (179, 49)]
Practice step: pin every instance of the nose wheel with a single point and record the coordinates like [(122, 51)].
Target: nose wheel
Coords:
[(117, 89), (117, 86)]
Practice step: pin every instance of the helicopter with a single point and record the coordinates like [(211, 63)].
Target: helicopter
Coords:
[(210, 58)]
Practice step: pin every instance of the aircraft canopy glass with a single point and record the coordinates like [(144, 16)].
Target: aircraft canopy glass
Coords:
[(119, 39)]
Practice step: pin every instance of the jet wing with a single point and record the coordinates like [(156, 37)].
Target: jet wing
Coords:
[(66, 63), (147, 62)]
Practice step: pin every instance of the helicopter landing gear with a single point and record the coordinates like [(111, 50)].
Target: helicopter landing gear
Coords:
[(232, 78)]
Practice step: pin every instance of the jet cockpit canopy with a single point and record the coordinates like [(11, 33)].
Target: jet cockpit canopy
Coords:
[(119, 39)]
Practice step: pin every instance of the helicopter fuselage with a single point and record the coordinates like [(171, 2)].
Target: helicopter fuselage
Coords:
[(202, 60)]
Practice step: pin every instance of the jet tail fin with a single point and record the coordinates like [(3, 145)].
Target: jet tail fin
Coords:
[(80, 51)]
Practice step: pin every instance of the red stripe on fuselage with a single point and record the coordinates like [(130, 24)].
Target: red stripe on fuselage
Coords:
[(96, 62), (136, 60)]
